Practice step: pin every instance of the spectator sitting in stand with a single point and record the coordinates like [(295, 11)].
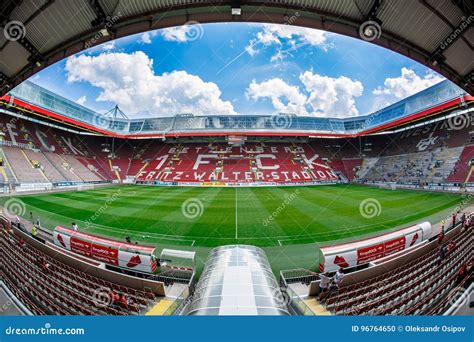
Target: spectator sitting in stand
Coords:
[(123, 301), (46, 265), (451, 247), (38, 261), (441, 235), (114, 297), (461, 274), (441, 254), (41, 263)]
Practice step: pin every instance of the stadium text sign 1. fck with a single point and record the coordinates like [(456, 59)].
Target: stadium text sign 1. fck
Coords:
[(273, 164)]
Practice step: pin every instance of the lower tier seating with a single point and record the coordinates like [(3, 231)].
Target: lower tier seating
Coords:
[(47, 286), (411, 289)]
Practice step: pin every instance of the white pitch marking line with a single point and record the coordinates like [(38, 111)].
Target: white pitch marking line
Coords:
[(193, 243), (236, 220), (279, 242)]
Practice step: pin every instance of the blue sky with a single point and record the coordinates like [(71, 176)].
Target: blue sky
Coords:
[(237, 69)]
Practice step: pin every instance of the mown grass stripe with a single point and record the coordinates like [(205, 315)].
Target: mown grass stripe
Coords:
[(316, 214)]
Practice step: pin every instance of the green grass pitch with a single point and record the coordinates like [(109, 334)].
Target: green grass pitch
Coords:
[(286, 221)]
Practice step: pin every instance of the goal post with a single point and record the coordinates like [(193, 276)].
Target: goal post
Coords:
[(83, 187), (388, 185)]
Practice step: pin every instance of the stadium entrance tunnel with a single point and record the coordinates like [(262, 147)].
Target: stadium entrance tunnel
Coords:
[(237, 280)]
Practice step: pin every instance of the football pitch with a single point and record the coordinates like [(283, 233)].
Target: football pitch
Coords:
[(209, 217), (289, 223)]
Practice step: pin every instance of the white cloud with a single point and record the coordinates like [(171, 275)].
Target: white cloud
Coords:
[(286, 37), (176, 34), (398, 88), (145, 38), (318, 96), (109, 46), (82, 100), (251, 50), (268, 36), (285, 98), (130, 81), (407, 84), (332, 96), (185, 33), (297, 34), (278, 56)]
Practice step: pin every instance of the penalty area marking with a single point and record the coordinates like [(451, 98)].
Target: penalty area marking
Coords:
[(96, 226)]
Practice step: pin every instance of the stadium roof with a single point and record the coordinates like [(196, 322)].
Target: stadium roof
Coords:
[(37, 33), (31, 100)]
